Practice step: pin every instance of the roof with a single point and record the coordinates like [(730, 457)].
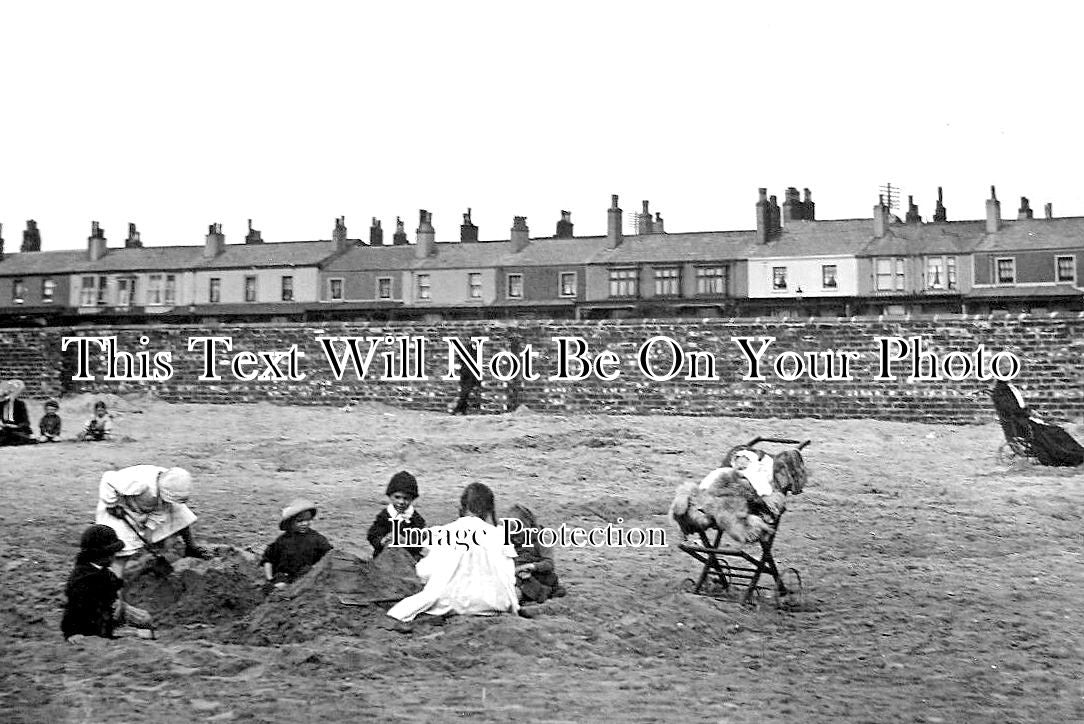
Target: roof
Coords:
[(273, 254), (41, 262), (548, 251), (151, 258), (460, 255), (1035, 234), (372, 258), (693, 247), (817, 239), (1048, 290), (948, 237)]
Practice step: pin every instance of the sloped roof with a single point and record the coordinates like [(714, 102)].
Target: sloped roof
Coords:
[(459, 255), (41, 262), (1035, 234), (696, 246), (817, 238), (272, 254), (141, 258), (949, 237), (372, 258), (548, 251)]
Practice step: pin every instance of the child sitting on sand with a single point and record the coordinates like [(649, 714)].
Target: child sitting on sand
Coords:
[(536, 577), (49, 426), (469, 569), (298, 549), (94, 607), (402, 491), (98, 427)]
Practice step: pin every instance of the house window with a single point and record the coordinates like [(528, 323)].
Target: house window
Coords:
[(779, 278), (287, 289), (941, 272), (515, 286), (474, 285), (103, 286), (250, 289), (890, 274), (126, 288), (18, 291), (1065, 266), (48, 289), (1006, 270), (335, 289), (828, 276), (154, 289), (567, 286), (712, 280), (423, 287), (214, 290), (667, 282), (624, 283), (171, 289), (87, 292), (383, 288)]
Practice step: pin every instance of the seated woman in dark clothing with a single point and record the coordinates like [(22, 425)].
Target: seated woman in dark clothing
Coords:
[(1049, 443), (14, 421)]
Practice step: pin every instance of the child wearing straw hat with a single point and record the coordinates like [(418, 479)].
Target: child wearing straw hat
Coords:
[(298, 549)]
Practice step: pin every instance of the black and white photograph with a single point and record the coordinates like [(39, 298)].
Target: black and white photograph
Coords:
[(564, 362)]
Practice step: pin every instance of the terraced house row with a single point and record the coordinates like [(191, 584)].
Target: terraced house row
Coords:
[(790, 264)]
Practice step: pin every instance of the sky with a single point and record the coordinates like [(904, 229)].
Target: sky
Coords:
[(175, 117)]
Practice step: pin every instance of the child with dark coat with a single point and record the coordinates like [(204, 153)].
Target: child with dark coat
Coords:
[(94, 606), (536, 575), (402, 491), (298, 549), (49, 426)]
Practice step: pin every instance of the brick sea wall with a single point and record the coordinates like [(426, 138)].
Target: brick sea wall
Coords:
[(1050, 348)]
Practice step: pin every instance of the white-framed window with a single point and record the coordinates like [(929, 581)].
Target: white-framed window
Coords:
[(1005, 270), (567, 284), (940, 272), (154, 289), (890, 273), (712, 279), (287, 288), (474, 285), (126, 291), (48, 290), (171, 289), (214, 290), (1065, 269), (779, 278), (88, 292), (18, 291), (423, 287), (667, 282), (250, 288), (624, 283), (828, 276), (335, 289), (515, 286), (383, 288)]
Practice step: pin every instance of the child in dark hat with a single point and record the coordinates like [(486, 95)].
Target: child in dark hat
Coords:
[(402, 491), (298, 549), (49, 426), (94, 606)]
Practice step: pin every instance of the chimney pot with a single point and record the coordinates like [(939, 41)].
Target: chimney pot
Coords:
[(1049, 209)]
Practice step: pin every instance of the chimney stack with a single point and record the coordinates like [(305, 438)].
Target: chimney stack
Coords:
[(613, 224), (468, 232), (253, 236), (808, 207), (643, 220), (657, 226), (912, 211), (1024, 212), (880, 218), (993, 213), (426, 235), (31, 237), (564, 226), (520, 233), (376, 234), (216, 241), (792, 206), (1049, 209), (132, 242), (96, 242), (775, 220), (764, 218), (940, 214), (399, 237), (338, 234)]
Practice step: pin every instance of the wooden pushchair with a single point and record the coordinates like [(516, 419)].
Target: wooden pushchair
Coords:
[(728, 568)]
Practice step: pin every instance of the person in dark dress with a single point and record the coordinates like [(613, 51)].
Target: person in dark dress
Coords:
[(1050, 444), (94, 606), (15, 426), (298, 549)]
